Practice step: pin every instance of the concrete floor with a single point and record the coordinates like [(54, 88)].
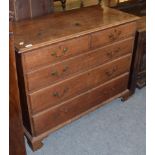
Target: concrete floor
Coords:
[(117, 128)]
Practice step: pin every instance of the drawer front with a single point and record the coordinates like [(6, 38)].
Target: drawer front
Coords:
[(56, 72), (76, 85), (79, 105), (104, 37), (56, 52)]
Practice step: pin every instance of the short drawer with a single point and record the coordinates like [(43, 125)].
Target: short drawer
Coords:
[(73, 108), (64, 90), (104, 37), (56, 52), (56, 72)]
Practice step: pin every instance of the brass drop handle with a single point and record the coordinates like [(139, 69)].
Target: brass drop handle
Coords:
[(53, 53), (115, 35), (60, 95), (111, 72), (54, 73), (65, 50), (112, 37), (117, 32), (56, 94), (58, 54)]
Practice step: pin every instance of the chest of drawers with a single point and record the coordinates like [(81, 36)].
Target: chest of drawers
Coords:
[(70, 64)]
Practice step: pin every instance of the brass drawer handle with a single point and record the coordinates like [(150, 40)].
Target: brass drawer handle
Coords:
[(56, 54), (115, 35), (56, 94), (53, 53), (65, 50), (60, 95), (111, 72), (112, 37), (54, 73), (117, 32)]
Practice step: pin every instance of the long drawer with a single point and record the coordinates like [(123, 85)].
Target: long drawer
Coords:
[(56, 72), (104, 37), (76, 106), (56, 52), (71, 87)]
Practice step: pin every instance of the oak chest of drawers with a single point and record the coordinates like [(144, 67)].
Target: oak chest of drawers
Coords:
[(70, 64)]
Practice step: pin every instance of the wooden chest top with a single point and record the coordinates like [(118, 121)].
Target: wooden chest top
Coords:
[(60, 26)]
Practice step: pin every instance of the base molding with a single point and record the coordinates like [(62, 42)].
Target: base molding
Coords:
[(35, 142)]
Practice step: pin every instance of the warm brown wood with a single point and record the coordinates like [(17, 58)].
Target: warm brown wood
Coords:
[(34, 143), (16, 133), (138, 68), (56, 72), (66, 25), (77, 105), (93, 61), (76, 85)]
